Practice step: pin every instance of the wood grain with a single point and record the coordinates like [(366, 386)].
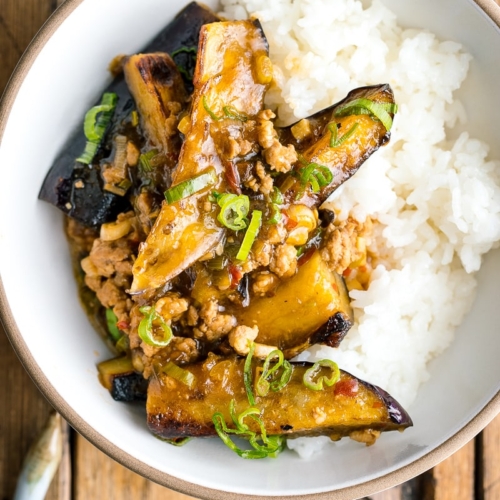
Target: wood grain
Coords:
[(489, 475), (97, 476)]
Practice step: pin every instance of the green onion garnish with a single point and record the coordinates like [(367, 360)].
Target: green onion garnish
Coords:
[(146, 328), (187, 50), (234, 210), (277, 196), (95, 124), (178, 441), (145, 160), (316, 175), (270, 378), (310, 374), (379, 110), (180, 374), (111, 321), (335, 141), (229, 112), (250, 235), (262, 444), (134, 118), (209, 111), (191, 186), (232, 112), (247, 374), (276, 214)]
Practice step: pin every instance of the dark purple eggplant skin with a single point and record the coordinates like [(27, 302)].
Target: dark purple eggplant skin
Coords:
[(333, 331), (91, 205), (129, 387)]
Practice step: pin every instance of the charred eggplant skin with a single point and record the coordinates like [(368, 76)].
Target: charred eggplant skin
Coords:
[(351, 406), (90, 204)]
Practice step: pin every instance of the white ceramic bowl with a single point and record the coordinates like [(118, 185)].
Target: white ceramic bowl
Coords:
[(62, 73)]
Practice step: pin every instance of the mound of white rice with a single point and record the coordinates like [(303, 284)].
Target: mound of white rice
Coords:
[(437, 201)]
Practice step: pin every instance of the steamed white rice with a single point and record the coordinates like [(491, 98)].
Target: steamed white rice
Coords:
[(437, 201)]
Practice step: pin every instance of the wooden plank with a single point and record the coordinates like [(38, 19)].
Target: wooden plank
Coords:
[(452, 479), (489, 477), (23, 415), (98, 476)]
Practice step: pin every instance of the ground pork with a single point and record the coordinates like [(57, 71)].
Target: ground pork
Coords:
[(340, 247), (279, 157), (264, 283), (284, 261), (214, 325)]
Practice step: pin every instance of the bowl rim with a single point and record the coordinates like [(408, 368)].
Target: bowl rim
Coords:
[(429, 460)]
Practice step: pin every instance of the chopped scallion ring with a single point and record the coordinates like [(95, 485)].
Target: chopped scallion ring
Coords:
[(316, 175), (335, 141), (379, 110), (247, 374), (270, 378), (250, 235), (180, 374), (209, 111), (186, 50), (95, 124), (111, 321), (276, 214), (190, 186), (277, 196), (311, 373), (145, 160), (146, 328), (234, 210), (271, 445), (232, 112), (178, 441)]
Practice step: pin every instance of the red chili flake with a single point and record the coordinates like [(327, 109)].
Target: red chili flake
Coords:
[(122, 325), (377, 404), (236, 275), (289, 223), (347, 272), (362, 269), (349, 388), (306, 256), (335, 287), (232, 177)]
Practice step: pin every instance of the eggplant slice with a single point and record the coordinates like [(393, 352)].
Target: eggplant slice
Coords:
[(351, 407), (184, 231), (77, 189)]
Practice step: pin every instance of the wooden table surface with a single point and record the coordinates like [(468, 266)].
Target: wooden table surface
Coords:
[(86, 473)]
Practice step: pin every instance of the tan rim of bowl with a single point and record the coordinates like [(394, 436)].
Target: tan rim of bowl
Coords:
[(473, 427)]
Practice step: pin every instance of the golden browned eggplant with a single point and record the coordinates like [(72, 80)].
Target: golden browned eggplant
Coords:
[(351, 407), (226, 77), (343, 160), (311, 307), (158, 91)]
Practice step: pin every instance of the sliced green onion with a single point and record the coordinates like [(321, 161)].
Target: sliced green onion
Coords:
[(218, 263), (247, 374), (316, 175), (250, 235), (178, 441), (134, 118), (145, 160), (123, 344), (209, 111), (146, 328), (180, 374), (334, 140), (234, 210), (270, 378), (232, 112), (111, 321), (190, 186), (95, 124), (187, 50), (310, 374), (277, 196), (276, 214), (379, 110), (88, 154), (271, 445)]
